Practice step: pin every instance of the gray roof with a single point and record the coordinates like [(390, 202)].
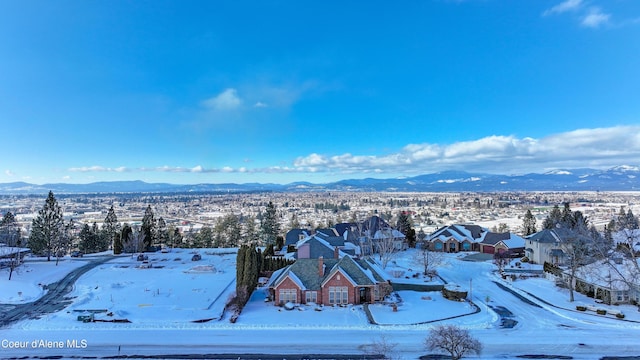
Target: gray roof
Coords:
[(545, 236), (293, 236), (493, 238), (307, 272), (318, 248)]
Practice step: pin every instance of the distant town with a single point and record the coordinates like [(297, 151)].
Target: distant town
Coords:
[(188, 213)]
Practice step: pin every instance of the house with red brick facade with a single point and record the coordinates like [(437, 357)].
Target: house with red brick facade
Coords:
[(328, 282)]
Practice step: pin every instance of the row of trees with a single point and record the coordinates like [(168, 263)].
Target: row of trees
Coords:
[(52, 236)]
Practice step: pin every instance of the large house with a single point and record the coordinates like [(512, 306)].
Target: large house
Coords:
[(455, 238), (328, 281), (612, 281), (544, 246), (465, 237)]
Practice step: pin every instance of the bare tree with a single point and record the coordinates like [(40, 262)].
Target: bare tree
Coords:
[(381, 347), (624, 262), (501, 260), (428, 260), (61, 244), (577, 244), (11, 237), (385, 246), (452, 339), (135, 242)]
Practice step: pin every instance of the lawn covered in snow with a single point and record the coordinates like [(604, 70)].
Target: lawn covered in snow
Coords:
[(28, 280), (165, 302)]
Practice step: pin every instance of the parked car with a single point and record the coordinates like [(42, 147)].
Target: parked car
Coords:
[(77, 254)]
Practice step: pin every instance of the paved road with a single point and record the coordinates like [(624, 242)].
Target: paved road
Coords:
[(54, 300)]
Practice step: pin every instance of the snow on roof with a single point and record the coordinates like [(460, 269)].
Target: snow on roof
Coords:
[(611, 275), (514, 241), (460, 233), (628, 236), (11, 250), (384, 234)]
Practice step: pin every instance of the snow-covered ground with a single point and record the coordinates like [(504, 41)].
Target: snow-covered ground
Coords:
[(27, 280), (163, 302)]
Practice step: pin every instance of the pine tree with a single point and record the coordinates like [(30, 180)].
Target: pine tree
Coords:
[(404, 226), (528, 223), (269, 228), (47, 229), (553, 219), (148, 228), (632, 221), (163, 232), (86, 239), (9, 230), (249, 231), (111, 230)]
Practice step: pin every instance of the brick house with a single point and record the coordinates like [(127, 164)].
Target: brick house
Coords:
[(328, 282)]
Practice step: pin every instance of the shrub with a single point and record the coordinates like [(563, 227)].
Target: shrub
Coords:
[(581, 308), (601, 312), (620, 316)]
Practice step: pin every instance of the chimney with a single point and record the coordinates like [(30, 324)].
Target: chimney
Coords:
[(321, 266), (336, 253)]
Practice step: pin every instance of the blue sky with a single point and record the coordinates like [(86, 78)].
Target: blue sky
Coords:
[(283, 91)]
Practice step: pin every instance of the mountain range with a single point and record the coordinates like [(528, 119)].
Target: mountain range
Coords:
[(619, 178)]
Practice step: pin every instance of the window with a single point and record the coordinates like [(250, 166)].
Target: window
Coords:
[(466, 246), (338, 295), (288, 295), (438, 245), (311, 296)]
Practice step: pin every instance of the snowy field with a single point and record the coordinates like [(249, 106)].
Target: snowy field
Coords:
[(27, 280), (175, 308)]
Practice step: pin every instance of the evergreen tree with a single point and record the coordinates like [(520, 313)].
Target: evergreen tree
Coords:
[(117, 244), (126, 237), (204, 238), (269, 227), (163, 232), (175, 237), (404, 225), (631, 220), (621, 220), (86, 238), (568, 217), (553, 219), (47, 229), (228, 231), (148, 228), (528, 223), (111, 230)]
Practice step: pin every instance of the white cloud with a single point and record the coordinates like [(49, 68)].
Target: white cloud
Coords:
[(595, 18), (598, 148), (568, 5), (9, 173), (579, 148), (226, 100), (96, 168), (260, 104)]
